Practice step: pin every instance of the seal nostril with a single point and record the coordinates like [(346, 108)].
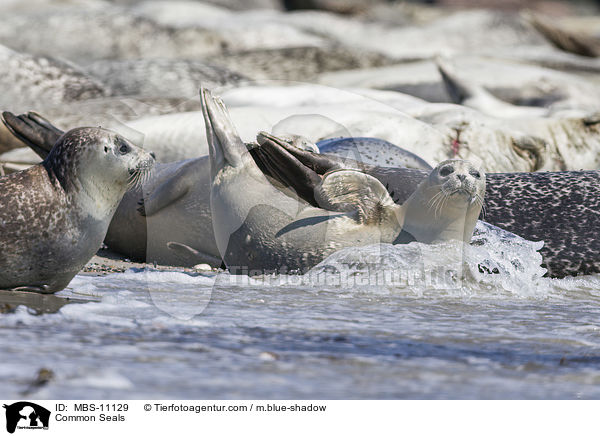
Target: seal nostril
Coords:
[(153, 155), (461, 177)]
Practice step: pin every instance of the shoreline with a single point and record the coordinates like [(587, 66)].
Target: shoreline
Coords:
[(107, 262)]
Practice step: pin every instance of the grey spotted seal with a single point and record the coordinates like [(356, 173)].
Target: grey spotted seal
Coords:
[(32, 81), (84, 35), (299, 63), (259, 227), (54, 215), (373, 151)]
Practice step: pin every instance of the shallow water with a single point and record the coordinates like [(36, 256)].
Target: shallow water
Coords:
[(345, 330)]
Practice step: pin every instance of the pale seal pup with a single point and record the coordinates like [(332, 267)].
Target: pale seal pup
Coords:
[(54, 215), (260, 227)]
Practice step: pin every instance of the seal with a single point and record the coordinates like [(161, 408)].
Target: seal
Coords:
[(166, 219), (263, 228), (373, 151), (559, 208), (54, 215), (532, 205), (475, 96), (29, 80), (160, 77)]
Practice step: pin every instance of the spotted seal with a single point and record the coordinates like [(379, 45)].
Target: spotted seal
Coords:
[(32, 81), (54, 215), (373, 151)]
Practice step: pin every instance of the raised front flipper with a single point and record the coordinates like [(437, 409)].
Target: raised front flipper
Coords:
[(34, 130), (319, 163), (291, 166), (276, 161)]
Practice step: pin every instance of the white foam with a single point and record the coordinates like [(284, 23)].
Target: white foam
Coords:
[(104, 379)]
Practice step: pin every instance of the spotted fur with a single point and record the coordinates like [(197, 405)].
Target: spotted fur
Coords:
[(54, 215)]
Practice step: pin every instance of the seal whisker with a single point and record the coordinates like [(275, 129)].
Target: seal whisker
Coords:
[(435, 203), (481, 202), (440, 206), (432, 200)]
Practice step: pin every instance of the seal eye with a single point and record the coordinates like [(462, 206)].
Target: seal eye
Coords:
[(124, 149), (476, 174), (446, 171)]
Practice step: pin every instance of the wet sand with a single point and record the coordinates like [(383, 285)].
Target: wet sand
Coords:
[(107, 262)]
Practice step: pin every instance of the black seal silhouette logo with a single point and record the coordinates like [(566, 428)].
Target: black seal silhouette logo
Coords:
[(26, 415)]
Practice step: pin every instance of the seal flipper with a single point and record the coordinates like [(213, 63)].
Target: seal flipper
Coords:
[(293, 167), (460, 90), (475, 96), (34, 130), (353, 190), (224, 143), (38, 289), (286, 168), (457, 89), (319, 163), (563, 39), (187, 252), (170, 191)]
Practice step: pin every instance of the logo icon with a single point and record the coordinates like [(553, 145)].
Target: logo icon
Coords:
[(26, 415)]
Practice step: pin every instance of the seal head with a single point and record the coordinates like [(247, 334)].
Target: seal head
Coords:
[(446, 204)]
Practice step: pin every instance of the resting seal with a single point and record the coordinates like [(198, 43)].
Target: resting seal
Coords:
[(54, 215), (260, 227), (166, 219), (373, 151), (560, 208)]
